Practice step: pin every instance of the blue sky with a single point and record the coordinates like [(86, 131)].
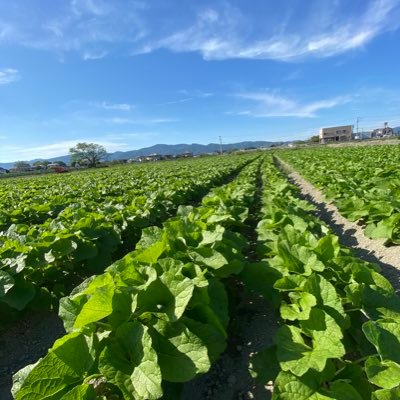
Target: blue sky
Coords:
[(129, 74)]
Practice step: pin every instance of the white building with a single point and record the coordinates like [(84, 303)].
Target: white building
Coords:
[(336, 134), (386, 131)]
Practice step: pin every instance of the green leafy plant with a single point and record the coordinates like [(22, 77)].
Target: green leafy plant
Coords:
[(340, 331), (158, 315)]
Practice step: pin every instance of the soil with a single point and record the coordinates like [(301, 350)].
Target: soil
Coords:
[(255, 324), (24, 343), (350, 233)]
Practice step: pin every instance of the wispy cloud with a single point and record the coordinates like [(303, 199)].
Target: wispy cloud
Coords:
[(218, 31), (94, 55), (89, 27), (292, 75), (55, 149), (113, 106), (190, 95), (95, 7), (138, 136), (185, 100), (270, 104), (132, 121), (8, 75), (219, 34), (205, 94)]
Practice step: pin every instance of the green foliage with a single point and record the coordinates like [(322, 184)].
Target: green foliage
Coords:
[(364, 183), (339, 337), (21, 165), (67, 228), (157, 315), (89, 154)]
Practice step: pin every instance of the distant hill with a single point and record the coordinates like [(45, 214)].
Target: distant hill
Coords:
[(164, 149)]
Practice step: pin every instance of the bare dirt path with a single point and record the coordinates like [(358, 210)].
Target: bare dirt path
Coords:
[(351, 234), (252, 329)]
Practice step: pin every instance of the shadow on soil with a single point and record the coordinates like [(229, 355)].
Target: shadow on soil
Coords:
[(254, 325)]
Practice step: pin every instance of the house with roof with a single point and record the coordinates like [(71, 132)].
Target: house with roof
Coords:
[(336, 134), (386, 131)]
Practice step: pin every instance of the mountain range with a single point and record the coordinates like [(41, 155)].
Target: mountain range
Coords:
[(164, 149)]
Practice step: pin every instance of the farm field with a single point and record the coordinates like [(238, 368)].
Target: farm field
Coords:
[(161, 315), (58, 230), (363, 182)]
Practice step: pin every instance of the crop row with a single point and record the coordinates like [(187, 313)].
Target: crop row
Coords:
[(340, 319), (40, 262), (159, 316), (156, 317), (35, 200), (364, 183)]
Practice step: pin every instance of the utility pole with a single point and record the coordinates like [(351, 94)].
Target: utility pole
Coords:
[(220, 144), (358, 120)]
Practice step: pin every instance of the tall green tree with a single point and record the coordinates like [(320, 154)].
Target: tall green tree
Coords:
[(87, 153), (60, 163), (41, 162), (21, 165)]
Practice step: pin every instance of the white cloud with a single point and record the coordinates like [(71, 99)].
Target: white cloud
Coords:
[(75, 25), (12, 153), (270, 104), (294, 75), (6, 30), (114, 106), (162, 120), (94, 55), (205, 94), (185, 100), (138, 136), (8, 75), (150, 121), (95, 7), (285, 32), (220, 35), (119, 121)]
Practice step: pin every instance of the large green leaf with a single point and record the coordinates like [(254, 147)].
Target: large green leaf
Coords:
[(327, 297), (169, 294), (311, 387), (99, 303), (385, 374), (60, 370), (6, 283), (181, 354), (300, 306), (385, 336), (81, 392), (386, 394), (297, 356), (20, 294), (130, 362)]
